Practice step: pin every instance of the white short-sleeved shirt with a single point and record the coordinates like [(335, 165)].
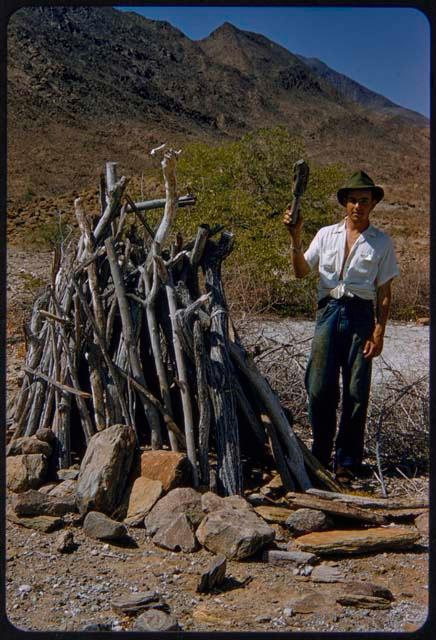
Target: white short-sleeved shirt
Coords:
[(370, 263)]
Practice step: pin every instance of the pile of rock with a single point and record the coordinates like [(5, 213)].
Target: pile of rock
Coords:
[(114, 490)]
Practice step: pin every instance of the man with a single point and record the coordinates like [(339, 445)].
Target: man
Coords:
[(356, 264)]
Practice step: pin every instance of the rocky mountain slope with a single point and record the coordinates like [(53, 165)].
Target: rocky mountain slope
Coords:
[(86, 85)]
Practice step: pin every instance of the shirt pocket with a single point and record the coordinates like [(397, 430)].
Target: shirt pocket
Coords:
[(328, 261), (364, 266)]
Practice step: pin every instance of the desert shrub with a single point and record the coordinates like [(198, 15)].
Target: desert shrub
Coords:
[(411, 291), (49, 235), (245, 186), (399, 418)]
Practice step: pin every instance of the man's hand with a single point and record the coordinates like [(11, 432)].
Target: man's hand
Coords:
[(294, 229), (373, 347)]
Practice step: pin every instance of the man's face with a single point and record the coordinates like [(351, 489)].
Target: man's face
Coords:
[(359, 205)]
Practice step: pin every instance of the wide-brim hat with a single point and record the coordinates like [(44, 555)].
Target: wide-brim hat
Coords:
[(359, 180)]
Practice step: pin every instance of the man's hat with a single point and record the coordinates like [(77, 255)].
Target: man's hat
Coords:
[(359, 180)]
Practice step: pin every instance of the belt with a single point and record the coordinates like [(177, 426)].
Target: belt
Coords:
[(345, 300)]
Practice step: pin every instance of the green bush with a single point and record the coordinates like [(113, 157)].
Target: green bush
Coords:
[(245, 186)]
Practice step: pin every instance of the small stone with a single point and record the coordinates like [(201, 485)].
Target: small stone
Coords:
[(324, 573), (100, 527), (422, 524), (45, 435), (68, 474), (213, 576), (293, 558), (65, 542), (262, 619), (155, 620), (97, 626), (369, 589), (24, 588), (288, 612), (304, 521)]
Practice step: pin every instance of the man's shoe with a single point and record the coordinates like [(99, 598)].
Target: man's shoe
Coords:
[(344, 475)]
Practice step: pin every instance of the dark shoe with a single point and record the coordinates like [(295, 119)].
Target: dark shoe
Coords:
[(344, 475)]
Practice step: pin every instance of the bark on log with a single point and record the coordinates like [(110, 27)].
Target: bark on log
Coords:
[(246, 365), (130, 341), (220, 372), (203, 402), (308, 501)]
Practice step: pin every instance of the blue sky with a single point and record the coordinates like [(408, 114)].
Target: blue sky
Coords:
[(385, 49)]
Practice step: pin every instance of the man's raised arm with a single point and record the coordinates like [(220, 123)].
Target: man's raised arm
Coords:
[(301, 266)]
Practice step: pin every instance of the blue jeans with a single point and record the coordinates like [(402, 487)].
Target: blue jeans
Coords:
[(342, 327)]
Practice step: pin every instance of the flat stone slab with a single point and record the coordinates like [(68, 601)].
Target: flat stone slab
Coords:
[(294, 558), (34, 503), (358, 541), (45, 524), (278, 515), (310, 603), (324, 573), (363, 602), (155, 620), (134, 603)]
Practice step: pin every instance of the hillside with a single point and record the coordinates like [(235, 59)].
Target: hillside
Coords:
[(86, 85)]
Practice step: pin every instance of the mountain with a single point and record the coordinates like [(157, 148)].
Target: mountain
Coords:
[(90, 84), (351, 90)]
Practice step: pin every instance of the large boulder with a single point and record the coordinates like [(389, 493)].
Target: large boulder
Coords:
[(181, 500), (171, 468), (237, 534), (34, 503), (177, 536), (105, 469), (26, 471), (143, 496)]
